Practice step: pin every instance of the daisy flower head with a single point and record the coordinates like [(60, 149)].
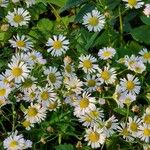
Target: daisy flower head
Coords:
[(21, 42), (106, 53), (29, 3), (84, 104), (4, 90), (107, 75), (34, 57), (58, 45), (46, 94), (18, 71), (54, 104), (133, 125), (144, 133), (94, 21), (95, 137), (109, 126), (139, 67), (87, 63), (146, 118), (4, 3), (145, 54), (27, 124), (16, 142), (19, 17), (35, 113), (124, 131), (134, 3), (73, 84), (54, 77), (92, 82), (147, 10), (131, 85)]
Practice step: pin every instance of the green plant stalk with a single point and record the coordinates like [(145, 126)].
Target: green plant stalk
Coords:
[(121, 25)]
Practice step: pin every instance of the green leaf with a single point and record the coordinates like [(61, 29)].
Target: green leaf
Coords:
[(65, 147), (72, 3), (142, 34), (60, 3), (145, 20), (121, 111)]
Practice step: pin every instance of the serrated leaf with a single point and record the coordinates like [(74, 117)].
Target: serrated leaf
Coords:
[(142, 34)]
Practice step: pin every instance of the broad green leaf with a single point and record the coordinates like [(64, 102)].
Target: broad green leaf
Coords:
[(145, 20), (141, 34), (72, 3), (121, 111)]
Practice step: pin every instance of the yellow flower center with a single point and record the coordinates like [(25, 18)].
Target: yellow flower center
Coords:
[(52, 77), (87, 64), (2, 91), (94, 114), (108, 124), (32, 95), (20, 43), (105, 75), (91, 83), (146, 56), (17, 71), (68, 68), (133, 127), (125, 132), (84, 103), (147, 119), (94, 136), (57, 44), (26, 123), (45, 95), (127, 101), (146, 132), (32, 112), (93, 21), (18, 18), (13, 144), (130, 85), (88, 119), (33, 57), (52, 105), (132, 2), (106, 54)]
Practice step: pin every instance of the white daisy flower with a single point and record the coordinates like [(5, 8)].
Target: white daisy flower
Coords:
[(46, 94), (144, 133), (107, 75), (87, 63), (4, 3), (127, 98), (27, 124), (109, 126), (35, 113), (73, 84), (18, 71), (35, 57), (54, 77), (92, 83), (145, 55), (54, 105), (16, 142), (146, 119), (4, 90), (147, 10), (19, 17), (138, 67), (29, 3), (84, 104), (106, 53), (91, 118), (94, 21), (58, 45), (95, 137), (131, 85), (124, 131), (133, 125), (21, 42), (134, 3)]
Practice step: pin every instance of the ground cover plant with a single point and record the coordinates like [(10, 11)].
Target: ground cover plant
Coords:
[(74, 74)]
